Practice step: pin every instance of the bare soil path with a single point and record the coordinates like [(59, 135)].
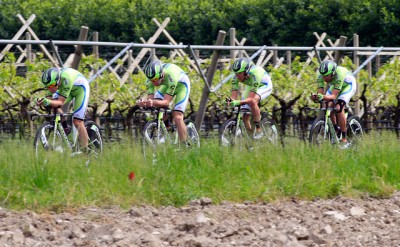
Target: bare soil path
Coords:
[(337, 222)]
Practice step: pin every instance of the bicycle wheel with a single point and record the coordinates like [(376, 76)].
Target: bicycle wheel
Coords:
[(269, 130), (317, 132), (229, 134), (354, 128), (95, 139), (193, 137), (152, 134), (46, 141)]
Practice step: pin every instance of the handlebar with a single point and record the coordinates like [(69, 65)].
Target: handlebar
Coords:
[(323, 106), (49, 115), (155, 109)]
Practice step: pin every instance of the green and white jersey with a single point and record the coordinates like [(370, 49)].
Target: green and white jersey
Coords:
[(258, 77), (73, 85), (344, 81), (338, 82), (174, 80), (175, 83)]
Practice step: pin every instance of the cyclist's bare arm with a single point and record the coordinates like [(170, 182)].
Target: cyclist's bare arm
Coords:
[(234, 94), (164, 102)]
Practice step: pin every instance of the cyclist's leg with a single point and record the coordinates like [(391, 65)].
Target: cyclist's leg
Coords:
[(81, 99), (181, 101), (344, 99), (262, 93), (250, 107), (180, 125)]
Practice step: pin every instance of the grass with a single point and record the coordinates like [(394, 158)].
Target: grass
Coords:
[(267, 173)]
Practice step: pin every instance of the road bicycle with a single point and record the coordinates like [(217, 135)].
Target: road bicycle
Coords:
[(233, 131), (156, 133), (322, 129), (51, 137)]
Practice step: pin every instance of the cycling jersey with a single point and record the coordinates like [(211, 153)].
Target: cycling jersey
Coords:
[(259, 82), (73, 85), (344, 81), (175, 83)]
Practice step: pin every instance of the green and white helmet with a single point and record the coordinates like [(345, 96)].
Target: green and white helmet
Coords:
[(51, 76), (154, 70), (241, 65), (327, 67)]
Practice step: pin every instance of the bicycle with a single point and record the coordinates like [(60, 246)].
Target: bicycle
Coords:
[(233, 131), (156, 133), (50, 136), (322, 129)]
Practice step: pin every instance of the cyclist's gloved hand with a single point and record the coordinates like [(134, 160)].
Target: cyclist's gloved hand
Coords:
[(235, 102), (320, 97), (43, 101)]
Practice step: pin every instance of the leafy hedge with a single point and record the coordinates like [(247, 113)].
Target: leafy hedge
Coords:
[(284, 22)]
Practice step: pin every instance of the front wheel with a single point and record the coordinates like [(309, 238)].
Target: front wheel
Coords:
[(153, 134), (47, 140), (318, 135), (229, 133)]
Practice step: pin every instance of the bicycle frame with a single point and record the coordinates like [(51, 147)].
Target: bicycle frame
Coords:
[(64, 137), (329, 126), (161, 125), (240, 126), (161, 128)]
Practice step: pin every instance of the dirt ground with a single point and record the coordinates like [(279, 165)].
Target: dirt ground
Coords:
[(337, 222)]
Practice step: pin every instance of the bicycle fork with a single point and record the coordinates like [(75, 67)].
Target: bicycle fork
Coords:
[(241, 127), (329, 128)]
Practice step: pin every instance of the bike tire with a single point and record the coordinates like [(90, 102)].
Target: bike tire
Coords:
[(270, 131), (152, 134), (44, 142), (95, 138), (354, 128), (229, 136), (317, 132), (193, 137)]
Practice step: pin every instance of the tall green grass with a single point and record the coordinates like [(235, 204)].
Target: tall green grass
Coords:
[(267, 173)]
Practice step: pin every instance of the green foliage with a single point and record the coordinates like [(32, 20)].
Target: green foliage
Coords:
[(287, 22)]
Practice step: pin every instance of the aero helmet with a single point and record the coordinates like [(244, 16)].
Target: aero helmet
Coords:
[(327, 67), (241, 65), (154, 70), (51, 76)]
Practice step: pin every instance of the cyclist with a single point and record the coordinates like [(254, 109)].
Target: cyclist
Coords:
[(258, 87), (63, 86), (173, 82), (342, 86)]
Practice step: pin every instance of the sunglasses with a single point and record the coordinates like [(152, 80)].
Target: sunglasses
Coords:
[(52, 86)]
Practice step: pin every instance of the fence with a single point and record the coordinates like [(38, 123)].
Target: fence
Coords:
[(135, 55)]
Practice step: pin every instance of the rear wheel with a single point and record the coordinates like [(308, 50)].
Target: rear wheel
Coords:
[(193, 137), (95, 139), (354, 128), (269, 130)]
